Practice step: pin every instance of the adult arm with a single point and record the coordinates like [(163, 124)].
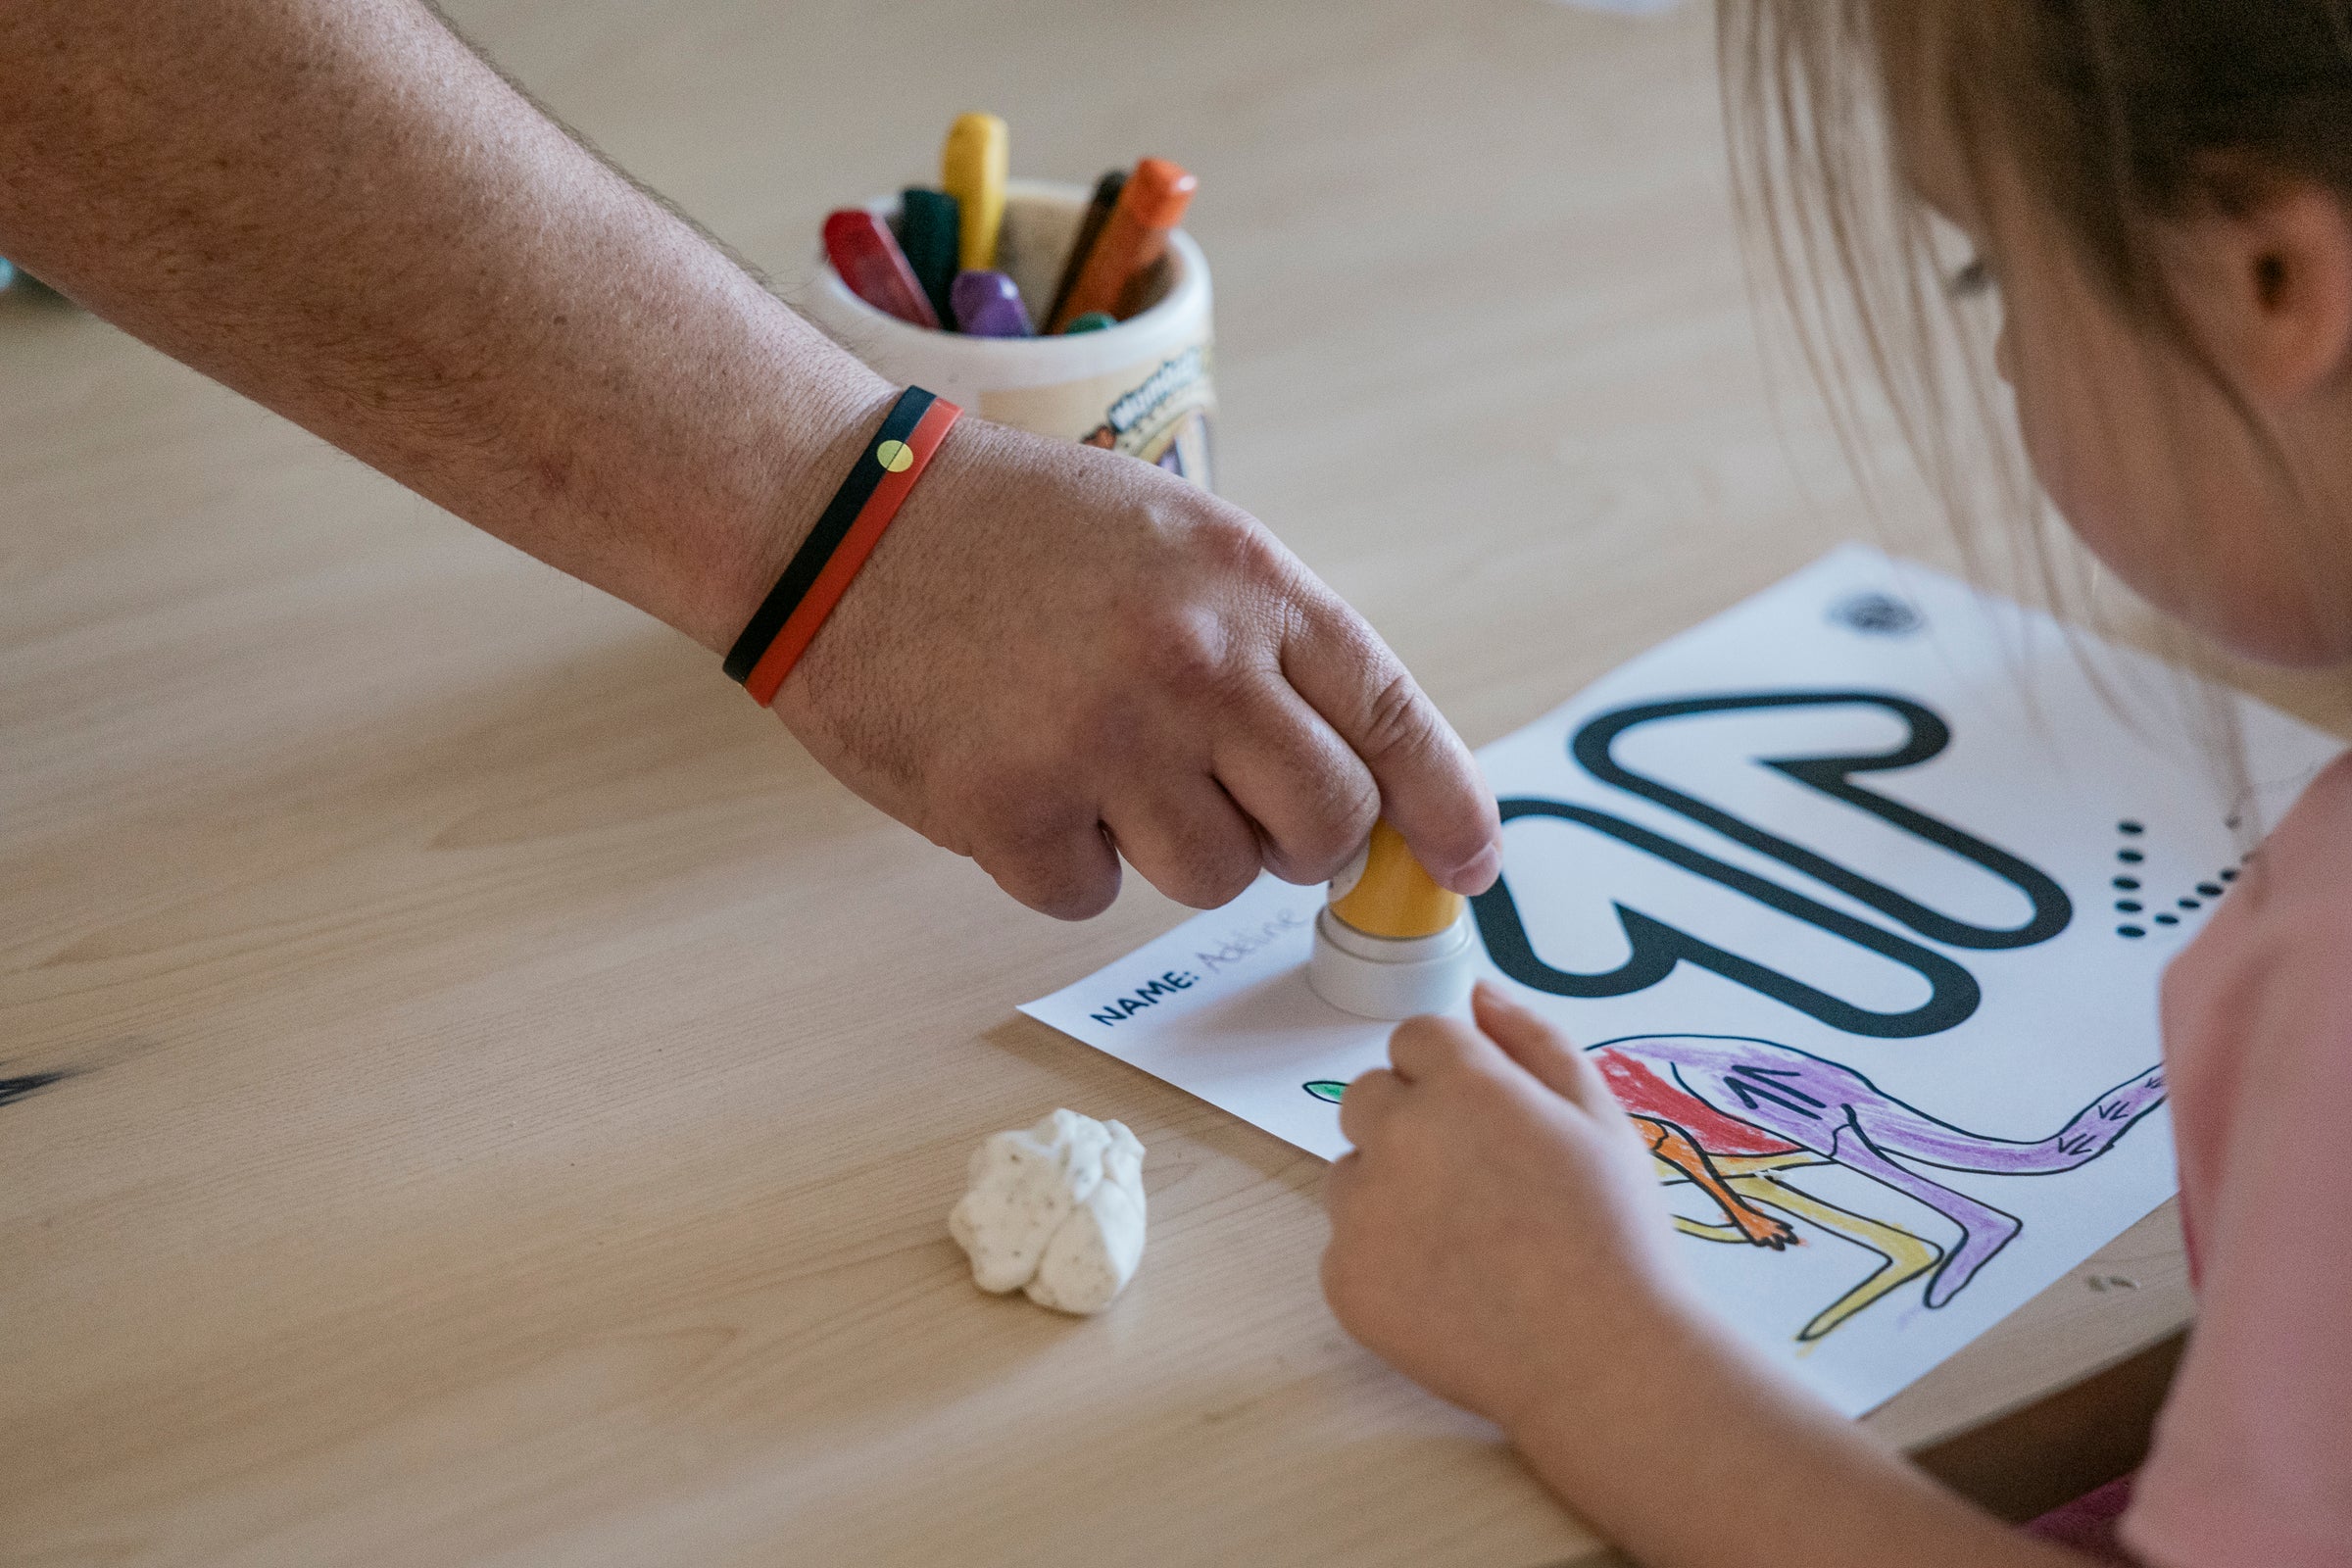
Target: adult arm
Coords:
[(337, 208)]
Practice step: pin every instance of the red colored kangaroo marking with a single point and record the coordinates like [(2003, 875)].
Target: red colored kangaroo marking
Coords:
[(1647, 1093)]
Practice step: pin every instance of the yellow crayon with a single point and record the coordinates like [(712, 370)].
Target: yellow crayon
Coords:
[(971, 168), (1392, 897)]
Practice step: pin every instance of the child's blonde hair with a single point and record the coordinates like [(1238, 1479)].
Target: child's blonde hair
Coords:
[(2107, 118)]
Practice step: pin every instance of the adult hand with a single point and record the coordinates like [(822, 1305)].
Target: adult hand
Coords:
[(1499, 1234), (1055, 651), (1059, 656)]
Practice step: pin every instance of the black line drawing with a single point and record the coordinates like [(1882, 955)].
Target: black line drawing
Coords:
[(1833, 775), (1658, 946)]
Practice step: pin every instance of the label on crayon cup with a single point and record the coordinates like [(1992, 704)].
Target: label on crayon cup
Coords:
[(1161, 416)]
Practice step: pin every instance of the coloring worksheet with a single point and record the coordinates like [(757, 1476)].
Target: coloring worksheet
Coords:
[(1859, 895)]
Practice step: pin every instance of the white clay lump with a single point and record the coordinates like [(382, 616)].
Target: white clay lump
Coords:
[(1055, 1210)]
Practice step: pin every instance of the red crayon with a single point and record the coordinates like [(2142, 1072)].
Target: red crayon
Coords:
[(867, 257)]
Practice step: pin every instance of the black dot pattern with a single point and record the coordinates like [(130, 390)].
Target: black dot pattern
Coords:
[(2130, 899)]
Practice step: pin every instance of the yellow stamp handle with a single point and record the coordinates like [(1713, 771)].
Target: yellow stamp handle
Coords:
[(1391, 896)]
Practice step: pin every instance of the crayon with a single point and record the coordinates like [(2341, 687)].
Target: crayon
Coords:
[(862, 250), (1133, 240), (988, 304), (973, 165), (1090, 321), (1090, 230), (927, 230)]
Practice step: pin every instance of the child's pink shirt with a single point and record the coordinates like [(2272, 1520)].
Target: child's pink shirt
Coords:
[(2253, 1456)]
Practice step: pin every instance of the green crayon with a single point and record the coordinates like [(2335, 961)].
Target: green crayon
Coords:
[(929, 233)]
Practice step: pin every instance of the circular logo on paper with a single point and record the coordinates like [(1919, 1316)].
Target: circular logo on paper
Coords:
[(894, 455), (1877, 614)]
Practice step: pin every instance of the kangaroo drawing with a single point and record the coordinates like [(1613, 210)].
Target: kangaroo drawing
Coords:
[(1730, 1115)]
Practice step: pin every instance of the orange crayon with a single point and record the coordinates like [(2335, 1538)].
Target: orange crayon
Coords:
[(1133, 241)]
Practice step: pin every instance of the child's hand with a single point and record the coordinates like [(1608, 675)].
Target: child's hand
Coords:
[(1498, 1232)]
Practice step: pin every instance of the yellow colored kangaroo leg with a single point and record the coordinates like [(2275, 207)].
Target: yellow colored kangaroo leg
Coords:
[(1907, 1256)]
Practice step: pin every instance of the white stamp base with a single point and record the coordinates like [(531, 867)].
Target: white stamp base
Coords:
[(1392, 977)]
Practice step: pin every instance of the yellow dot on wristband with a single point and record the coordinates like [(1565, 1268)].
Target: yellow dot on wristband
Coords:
[(897, 456)]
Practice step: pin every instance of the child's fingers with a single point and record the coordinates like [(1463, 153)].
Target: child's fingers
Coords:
[(1540, 1049), (1340, 1181), (1367, 1103), (1424, 1047)]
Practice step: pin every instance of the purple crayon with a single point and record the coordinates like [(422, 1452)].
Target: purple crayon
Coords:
[(987, 305)]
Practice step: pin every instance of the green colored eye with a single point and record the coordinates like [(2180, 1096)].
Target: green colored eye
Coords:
[(1326, 1089)]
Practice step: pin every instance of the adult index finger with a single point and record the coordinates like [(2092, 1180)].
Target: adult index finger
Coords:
[(1430, 787)]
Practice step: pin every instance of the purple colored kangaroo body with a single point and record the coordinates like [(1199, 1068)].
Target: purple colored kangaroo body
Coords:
[(1840, 1115)]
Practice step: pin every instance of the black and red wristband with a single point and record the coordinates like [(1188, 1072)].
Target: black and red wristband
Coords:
[(820, 571)]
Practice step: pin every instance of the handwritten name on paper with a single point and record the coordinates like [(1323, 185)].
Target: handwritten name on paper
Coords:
[(1233, 948)]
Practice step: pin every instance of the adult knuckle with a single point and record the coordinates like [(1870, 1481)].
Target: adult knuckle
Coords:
[(1188, 645), (1232, 543), (1339, 817), (1069, 891), (1229, 882), (1210, 870), (1396, 720), (1205, 887), (1038, 850)]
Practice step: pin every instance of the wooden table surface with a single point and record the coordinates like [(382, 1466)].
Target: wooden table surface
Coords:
[(514, 1097)]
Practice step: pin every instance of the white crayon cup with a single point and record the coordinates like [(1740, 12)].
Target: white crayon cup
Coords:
[(1141, 387)]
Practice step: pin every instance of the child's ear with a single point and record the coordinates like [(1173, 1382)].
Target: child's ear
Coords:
[(2266, 287)]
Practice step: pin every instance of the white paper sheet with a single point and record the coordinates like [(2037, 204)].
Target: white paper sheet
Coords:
[(1945, 920)]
